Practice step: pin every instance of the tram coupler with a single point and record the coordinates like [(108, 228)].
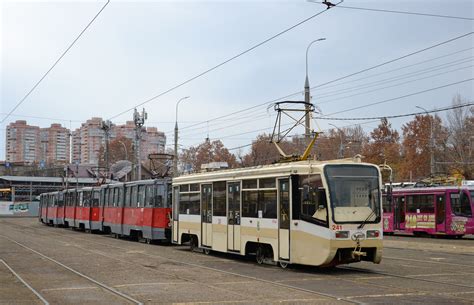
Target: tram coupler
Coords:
[(357, 253)]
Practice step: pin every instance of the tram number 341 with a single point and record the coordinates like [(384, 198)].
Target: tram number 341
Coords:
[(336, 227)]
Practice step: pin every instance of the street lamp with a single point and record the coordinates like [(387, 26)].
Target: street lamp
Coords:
[(175, 163), (307, 94), (341, 145), (432, 162)]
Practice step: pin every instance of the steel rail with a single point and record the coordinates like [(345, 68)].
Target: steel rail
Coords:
[(110, 289), (25, 283)]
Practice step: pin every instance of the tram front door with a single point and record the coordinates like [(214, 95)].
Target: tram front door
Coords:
[(284, 218), (233, 216), (206, 215)]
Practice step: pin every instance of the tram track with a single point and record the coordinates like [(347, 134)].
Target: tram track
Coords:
[(274, 283), (88, 278), (347, 299)]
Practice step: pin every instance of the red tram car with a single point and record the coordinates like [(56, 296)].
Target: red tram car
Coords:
[(139, 209), (429, 211)]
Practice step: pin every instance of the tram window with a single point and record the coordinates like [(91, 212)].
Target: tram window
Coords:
[(158, 200), (116, 197), (194, 187), (219, 199), (111, 198), (120, 199), (420, 203), (128, 193), (149, 195), (184, 188), (60, 199), (249, 184), (267, 203), (460, 204), (194, 202), (141, 196), (183, 203), (175, 197), (266, 183), (133, 196), (387, 204), (312, 196), (249, 204), (95, 198)]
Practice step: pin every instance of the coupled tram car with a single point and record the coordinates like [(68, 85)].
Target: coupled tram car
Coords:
[(139, 209), (307, 212), (434, 211)]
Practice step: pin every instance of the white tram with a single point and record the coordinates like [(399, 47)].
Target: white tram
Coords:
[(320, 213)]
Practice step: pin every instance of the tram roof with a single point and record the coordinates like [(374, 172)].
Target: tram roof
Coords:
[(431, 188), (47, 179), (263, 170)]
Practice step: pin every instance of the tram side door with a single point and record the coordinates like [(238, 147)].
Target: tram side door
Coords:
[(206, 215), (175, 212), (399, 222), (440, 213), (284, 218), (233, 216)]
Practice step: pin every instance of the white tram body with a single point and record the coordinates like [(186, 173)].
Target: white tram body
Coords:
[(320, 213)]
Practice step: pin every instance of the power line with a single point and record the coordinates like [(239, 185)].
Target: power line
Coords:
[(399, 12), (397, 116), (392, 86), (54, 65), (338, 79), (222, 63), (399, 97)]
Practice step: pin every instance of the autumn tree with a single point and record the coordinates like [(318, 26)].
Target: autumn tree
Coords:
[(339, 143), (383, 146), (460, 143), (119, 149), (417, 146), (207, 152)]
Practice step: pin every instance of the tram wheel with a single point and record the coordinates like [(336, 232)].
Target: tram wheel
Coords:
[(283, 265), (207, 251), (260, 255)]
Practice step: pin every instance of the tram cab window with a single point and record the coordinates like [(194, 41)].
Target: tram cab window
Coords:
[(313, 204), (460, 204), (150, 189)]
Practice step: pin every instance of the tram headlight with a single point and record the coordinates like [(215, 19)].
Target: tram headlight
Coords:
[(342, 234), (373, 234)]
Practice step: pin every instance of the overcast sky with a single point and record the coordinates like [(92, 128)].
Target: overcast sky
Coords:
[(138, 49)]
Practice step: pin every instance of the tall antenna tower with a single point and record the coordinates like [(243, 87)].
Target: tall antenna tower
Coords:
[(139, 120)]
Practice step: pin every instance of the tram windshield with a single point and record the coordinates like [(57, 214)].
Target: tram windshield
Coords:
[(354, 193)]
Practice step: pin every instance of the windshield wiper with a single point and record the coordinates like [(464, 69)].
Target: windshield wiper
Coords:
[(367, 219)]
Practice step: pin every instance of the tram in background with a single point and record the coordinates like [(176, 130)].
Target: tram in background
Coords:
[(446, 210), (140, 209), (320, 213)]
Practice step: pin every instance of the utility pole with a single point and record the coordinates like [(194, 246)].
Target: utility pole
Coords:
[(139, 120), (432, 158), (106, 126), (307, 96), (175, 160)]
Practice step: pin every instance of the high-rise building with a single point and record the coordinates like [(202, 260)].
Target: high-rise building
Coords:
[(22, 142), (54, 144)]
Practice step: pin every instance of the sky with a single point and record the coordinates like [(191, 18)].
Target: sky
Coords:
[(136, 50)]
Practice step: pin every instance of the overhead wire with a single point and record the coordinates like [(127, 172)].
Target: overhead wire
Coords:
[(400, 97), (55, 63), (337, 79), (399, 12), (398, 115), (222, 63)]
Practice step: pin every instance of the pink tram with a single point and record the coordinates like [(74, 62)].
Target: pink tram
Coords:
[(139, 209), (429, 211)]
